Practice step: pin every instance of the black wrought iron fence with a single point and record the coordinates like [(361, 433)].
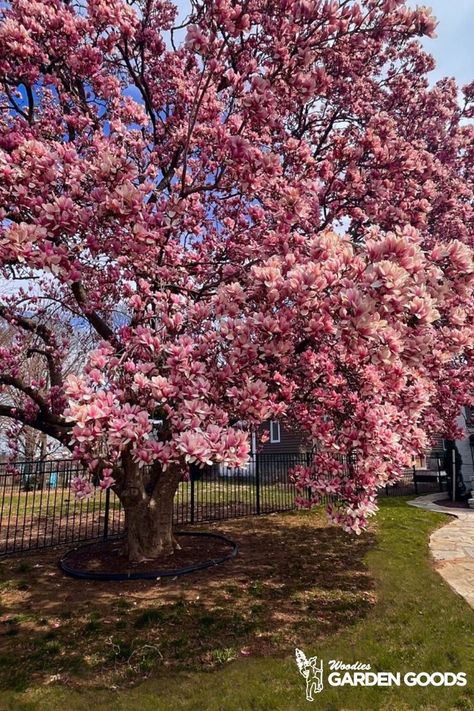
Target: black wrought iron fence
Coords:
[(39, 509), (419, 481)]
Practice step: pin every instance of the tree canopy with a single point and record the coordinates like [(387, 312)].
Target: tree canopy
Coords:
[(270, 218)]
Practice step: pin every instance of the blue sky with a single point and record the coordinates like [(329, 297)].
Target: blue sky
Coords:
[(453, 49)]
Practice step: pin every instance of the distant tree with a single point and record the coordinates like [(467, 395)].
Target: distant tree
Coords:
[(273, 218), (19, 439)]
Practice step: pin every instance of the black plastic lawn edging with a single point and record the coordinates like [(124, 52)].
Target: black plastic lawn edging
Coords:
[(150, 575)]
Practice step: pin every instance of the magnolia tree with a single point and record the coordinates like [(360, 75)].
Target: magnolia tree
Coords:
[(266, 212)]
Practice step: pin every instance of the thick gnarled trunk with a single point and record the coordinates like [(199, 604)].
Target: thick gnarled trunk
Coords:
[(149, 516), (149, 531)]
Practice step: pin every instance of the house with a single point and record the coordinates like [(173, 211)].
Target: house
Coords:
[(275, 437), (275, 447), (282, 444)]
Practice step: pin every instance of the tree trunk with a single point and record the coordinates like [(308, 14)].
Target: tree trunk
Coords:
[(149, 518)]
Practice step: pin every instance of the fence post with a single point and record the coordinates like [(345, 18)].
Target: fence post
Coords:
[(192, 496), (257, 481), (454, 472), (106, 514), (415, 483), (308, 457)]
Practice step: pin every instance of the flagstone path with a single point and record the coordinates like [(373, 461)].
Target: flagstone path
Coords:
[(452, 546)]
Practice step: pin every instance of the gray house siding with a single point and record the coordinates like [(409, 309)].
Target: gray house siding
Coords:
[(291, 439)]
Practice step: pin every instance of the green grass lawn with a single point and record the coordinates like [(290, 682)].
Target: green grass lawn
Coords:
[(223, 640), (40, 517), (25, 511), (230, 492), (33, 504), (215, 491)]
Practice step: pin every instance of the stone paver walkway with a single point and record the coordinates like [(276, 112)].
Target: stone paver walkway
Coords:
[(452, 546)]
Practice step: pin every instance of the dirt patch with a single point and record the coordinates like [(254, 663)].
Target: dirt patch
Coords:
[(110, 557)]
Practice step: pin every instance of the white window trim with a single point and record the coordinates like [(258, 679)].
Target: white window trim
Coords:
[(253, 446), (275, 440)]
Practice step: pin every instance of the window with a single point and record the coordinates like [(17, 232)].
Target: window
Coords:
[(275, 435)]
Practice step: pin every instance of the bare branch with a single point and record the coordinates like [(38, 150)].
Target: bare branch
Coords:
[(52, 426), (26, 389), (54, 372), (28, 324)]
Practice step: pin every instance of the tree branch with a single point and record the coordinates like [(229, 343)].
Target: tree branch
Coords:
[(28, 324), (96, 321), (27, 390), (55, 374), (53, 427), (168, 175), (31, 103)]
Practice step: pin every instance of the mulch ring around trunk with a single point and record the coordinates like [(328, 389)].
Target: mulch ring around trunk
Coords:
[(106, 560)]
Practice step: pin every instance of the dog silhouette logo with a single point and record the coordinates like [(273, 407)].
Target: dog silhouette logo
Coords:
[(312, 672)]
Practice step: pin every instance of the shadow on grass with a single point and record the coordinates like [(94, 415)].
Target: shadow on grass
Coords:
[(295, 580)]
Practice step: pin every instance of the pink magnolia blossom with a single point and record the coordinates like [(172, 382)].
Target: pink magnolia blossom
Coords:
[(175, 214), (82, 488)]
